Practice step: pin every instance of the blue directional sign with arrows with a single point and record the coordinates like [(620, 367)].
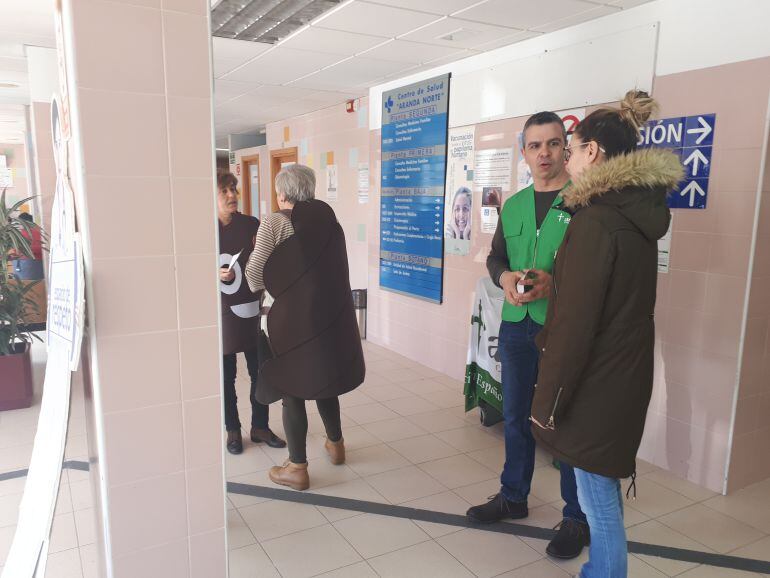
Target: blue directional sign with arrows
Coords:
[(692, 139), (414, 136)]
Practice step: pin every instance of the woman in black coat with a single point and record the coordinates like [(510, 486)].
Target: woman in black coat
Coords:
[(310, 335)]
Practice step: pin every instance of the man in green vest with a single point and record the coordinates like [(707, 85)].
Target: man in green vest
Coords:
[(529, 232)]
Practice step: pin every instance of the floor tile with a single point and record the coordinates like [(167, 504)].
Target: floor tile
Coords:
[(759, 550), (655, 500), (458, 471), (250, 562), (357, 437), (238, 533), (715, 572), (438, 421), (6, 539), (374, 379), (717, 531), (653, 532), (275, 518), (447, 502), (445, 399), (256, 479), (65, 564), (469, 439), (423, 448), (310, 552), (392, 430), (375, 460), (488, 554), (323, 473), (81, 496), (632, 517), (388, 392), (686, 488), (9, 509), (405, 406), (744, 507), (402, 375), (357, 570), (405, 484), (420, 561), (369, 413), (424, 386), (638, 568), (354, 398), (539, 569), (85, 526), (89, 560), (492, 458), (373, 535), (13, 486), (546, 484), (479, 493), (63, 533), (354, 490), (253, 459)]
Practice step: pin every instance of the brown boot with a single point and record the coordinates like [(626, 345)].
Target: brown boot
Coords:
[(290, 474), (336, 451)]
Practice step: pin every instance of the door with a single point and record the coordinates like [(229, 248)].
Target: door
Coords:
[(249, 202), (279, 159)]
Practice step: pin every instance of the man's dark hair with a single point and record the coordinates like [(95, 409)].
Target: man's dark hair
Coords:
[(26, 217), (545, 117), (226, 179)]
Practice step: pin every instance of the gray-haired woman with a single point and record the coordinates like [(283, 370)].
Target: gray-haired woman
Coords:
[(311, 337)]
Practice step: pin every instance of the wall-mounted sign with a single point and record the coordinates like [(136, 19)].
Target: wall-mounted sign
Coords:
[(414, 138), (692, 139)]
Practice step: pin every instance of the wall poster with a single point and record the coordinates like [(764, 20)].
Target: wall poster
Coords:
[(459, 190)]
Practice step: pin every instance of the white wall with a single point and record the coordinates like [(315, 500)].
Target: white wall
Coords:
[(693, 34), (43, 71)]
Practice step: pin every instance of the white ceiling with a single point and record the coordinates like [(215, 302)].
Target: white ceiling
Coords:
[(362, 43)]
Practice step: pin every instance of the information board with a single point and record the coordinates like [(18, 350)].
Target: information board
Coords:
[(414, 137), (691, 138)]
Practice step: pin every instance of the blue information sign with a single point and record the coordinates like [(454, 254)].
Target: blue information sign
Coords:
[(414, 136), (692, 139)]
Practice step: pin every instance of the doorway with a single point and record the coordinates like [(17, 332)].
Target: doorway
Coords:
[(250, 188), (279, 159)]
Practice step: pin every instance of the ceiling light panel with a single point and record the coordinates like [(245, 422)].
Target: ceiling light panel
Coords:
[(592, 14), (376, 20), (439, 7), (333, 41), (282, 65), (524, 14), (410, 52), (459, 33), (266, 21)]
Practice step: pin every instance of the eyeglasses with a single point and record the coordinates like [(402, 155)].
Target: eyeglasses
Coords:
[(568, 150)]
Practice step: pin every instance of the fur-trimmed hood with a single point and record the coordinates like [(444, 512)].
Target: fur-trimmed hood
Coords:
[(636, 184)]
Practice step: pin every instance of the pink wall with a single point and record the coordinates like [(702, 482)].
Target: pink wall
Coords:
[(751, 436), (346, 136), (45, 167)]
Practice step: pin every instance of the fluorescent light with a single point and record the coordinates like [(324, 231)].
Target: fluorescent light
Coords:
[(219, 149)]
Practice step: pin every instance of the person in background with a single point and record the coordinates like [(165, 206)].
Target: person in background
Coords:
[(529, 232), (240, 315), (310, 336), (459, 226), (597, 346)]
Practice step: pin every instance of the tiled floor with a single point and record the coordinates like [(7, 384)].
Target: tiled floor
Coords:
[(409, 443)]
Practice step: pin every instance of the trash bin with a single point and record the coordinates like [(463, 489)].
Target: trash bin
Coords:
[(359, 304)]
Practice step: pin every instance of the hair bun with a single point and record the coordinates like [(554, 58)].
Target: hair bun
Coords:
[(637, 107)]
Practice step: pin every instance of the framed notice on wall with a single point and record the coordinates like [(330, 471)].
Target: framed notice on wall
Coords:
[(414, 138)]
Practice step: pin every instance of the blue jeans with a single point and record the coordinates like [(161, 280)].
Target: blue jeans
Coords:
[(519, 357), (603, 504)]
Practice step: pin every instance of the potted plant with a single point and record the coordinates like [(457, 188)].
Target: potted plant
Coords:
[(15, 339)]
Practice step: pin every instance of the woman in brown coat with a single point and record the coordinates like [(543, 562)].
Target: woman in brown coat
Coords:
[(596, 367), (311, 345)]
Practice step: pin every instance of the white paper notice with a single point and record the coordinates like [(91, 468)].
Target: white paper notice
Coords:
[(459, 191), (3, 162), (331, 182), (493, 168), (263, 207), (488, 219), (6, 178), (363, 183), (664, 248), (234, 260)]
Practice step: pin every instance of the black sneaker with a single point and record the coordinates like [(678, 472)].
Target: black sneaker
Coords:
[(267, 436), (496, 509), (571, 538), (234, 442)]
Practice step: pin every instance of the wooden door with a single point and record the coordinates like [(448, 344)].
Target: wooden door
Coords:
[(278, 159), (250, 186)]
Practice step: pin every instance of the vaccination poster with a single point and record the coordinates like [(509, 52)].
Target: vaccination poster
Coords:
[(459, 191)]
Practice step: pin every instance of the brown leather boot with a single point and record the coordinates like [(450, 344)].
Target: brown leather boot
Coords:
[(290, 474), (336, 451)]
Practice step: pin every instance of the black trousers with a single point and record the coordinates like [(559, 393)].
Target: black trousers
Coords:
[(259, 411), (295, 424)]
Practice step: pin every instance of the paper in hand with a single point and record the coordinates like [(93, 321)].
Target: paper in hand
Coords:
[(234, 260)]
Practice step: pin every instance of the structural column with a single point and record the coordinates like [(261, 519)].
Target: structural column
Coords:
[(139, 80)]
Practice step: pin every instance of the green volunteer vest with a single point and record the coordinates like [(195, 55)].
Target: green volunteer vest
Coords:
[(528, 249)]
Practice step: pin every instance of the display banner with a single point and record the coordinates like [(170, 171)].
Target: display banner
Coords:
[(483, 379)]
